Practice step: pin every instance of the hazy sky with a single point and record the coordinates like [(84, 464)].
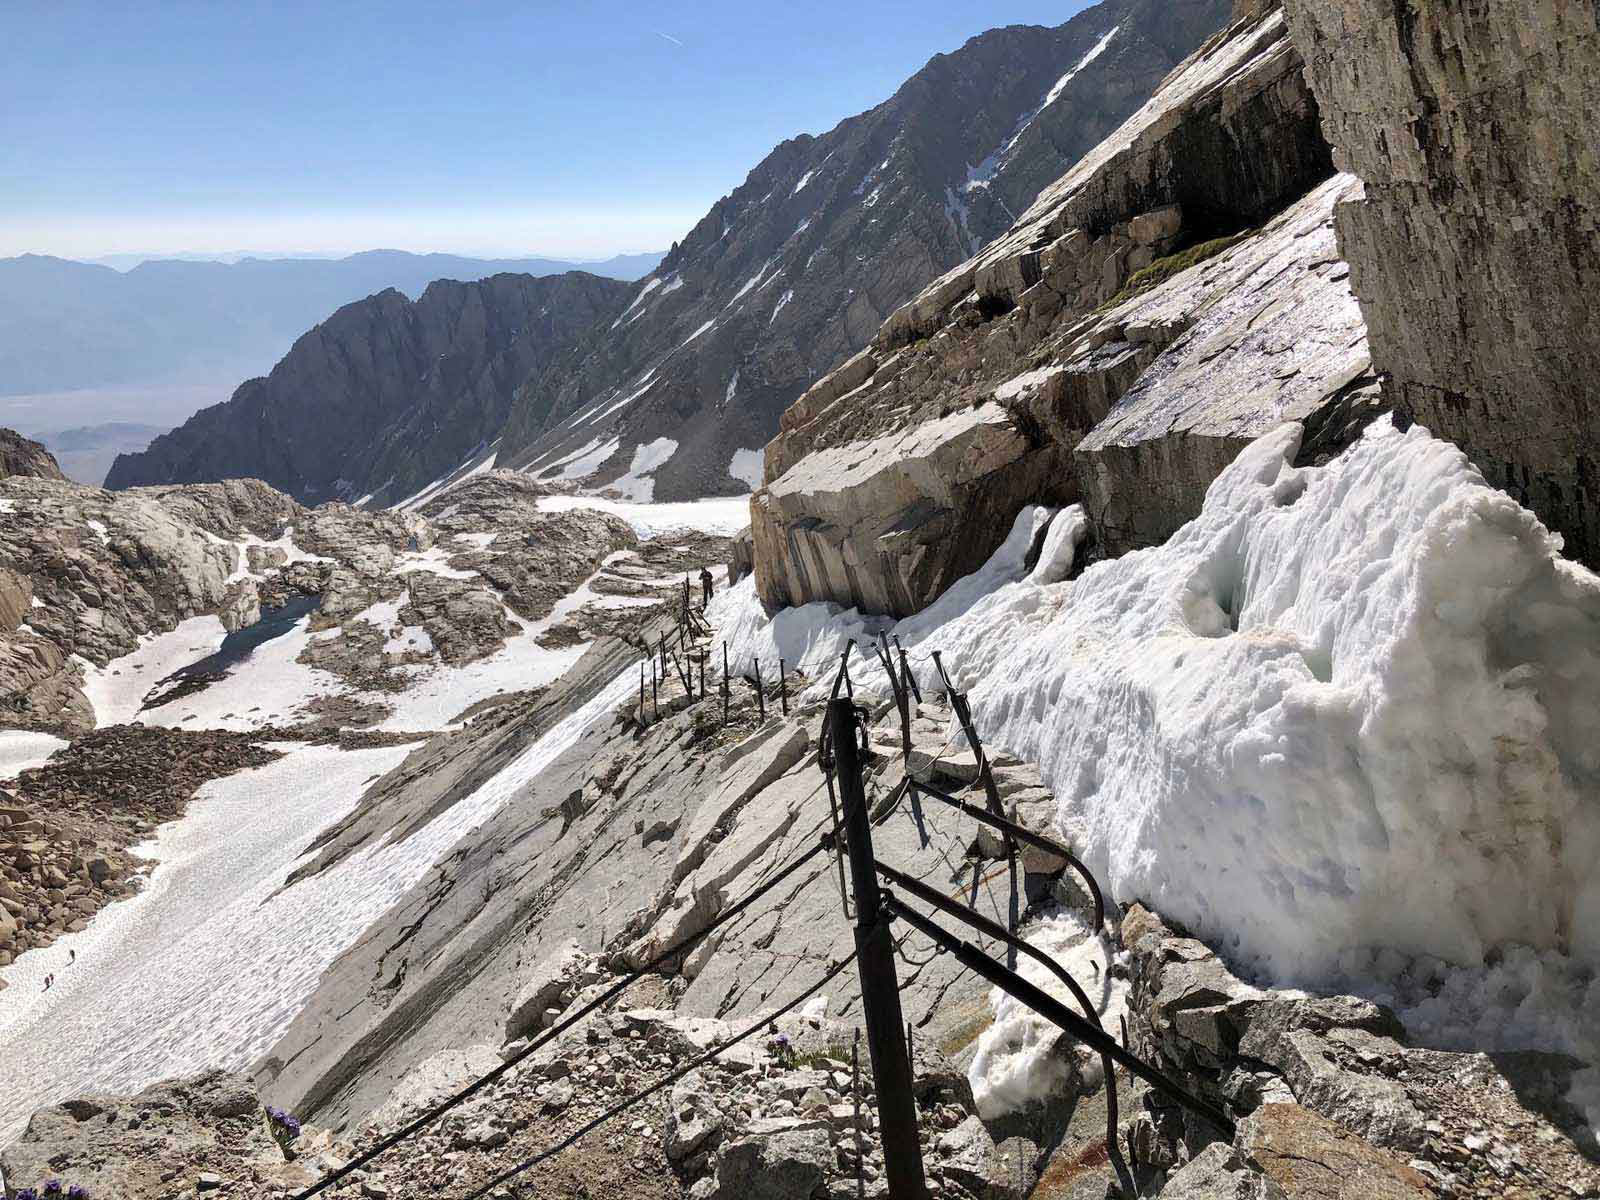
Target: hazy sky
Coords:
[(571, 129)]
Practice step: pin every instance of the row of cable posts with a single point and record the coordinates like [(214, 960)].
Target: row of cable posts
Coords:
[(1087, 1028), (679, 656)]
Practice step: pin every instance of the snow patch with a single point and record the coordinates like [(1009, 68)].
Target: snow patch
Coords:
[(1016, 1064), (22, 751), (725, 515), (584, 461), (648, 458)]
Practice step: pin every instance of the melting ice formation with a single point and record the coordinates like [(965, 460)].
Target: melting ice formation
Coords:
[(1341, 725)]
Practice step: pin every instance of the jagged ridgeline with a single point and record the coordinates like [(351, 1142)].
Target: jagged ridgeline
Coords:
[(669, 388), (384, 395)]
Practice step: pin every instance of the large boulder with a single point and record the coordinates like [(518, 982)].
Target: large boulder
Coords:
[(547, 986), (776, 1160), (884, 525), (989, 1171)]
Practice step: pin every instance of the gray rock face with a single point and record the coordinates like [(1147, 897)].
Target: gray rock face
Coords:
[(1337, 1104), (1265, 332), (1474, 249), (140, 1145), (788, 1165), (994, 1172), (534, 558), (626, 842), (386, 395), (887, 525), (20, 456), (798, 267), (1108, 348)]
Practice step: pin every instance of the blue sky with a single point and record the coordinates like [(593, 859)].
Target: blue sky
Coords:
[(570, 129)]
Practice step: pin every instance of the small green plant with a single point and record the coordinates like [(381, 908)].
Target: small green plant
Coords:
[(54, 1189), (781, 1050), (285, 1128), (1164, 269)]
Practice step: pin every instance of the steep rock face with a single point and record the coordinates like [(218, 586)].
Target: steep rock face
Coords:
[(1116, 281), (386, 395), (1474, 249), (799, 266), (20, 456)]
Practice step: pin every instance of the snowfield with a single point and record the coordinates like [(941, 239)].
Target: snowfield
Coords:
[(1341, 725), (208, 964)]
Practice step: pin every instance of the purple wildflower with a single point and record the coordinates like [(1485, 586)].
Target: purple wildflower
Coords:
[(75, 1192), (27, 1194)]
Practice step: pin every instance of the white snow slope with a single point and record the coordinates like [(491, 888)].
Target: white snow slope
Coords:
[(210, 961), (1341, 725)]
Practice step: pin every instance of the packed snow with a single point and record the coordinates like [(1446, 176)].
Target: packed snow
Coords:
[(209, 963), (118, 689), (583, 461), (1266, 726), (1014, 1065)]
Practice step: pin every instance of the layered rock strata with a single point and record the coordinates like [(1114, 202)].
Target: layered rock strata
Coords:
[(1117, 346), (798, 267)]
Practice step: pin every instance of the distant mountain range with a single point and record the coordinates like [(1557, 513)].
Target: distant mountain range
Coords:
[(86, 453), (68, 325)]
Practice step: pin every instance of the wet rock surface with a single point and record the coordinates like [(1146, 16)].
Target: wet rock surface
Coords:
[(67, 828)]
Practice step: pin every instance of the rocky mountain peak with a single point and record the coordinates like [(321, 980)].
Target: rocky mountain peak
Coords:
[(22, 456), (387, 394), (798, 266)]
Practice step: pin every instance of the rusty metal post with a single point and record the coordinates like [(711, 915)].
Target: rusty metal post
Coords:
[(880, 988)]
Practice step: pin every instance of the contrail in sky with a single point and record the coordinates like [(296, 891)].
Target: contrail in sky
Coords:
[(669, 38)]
